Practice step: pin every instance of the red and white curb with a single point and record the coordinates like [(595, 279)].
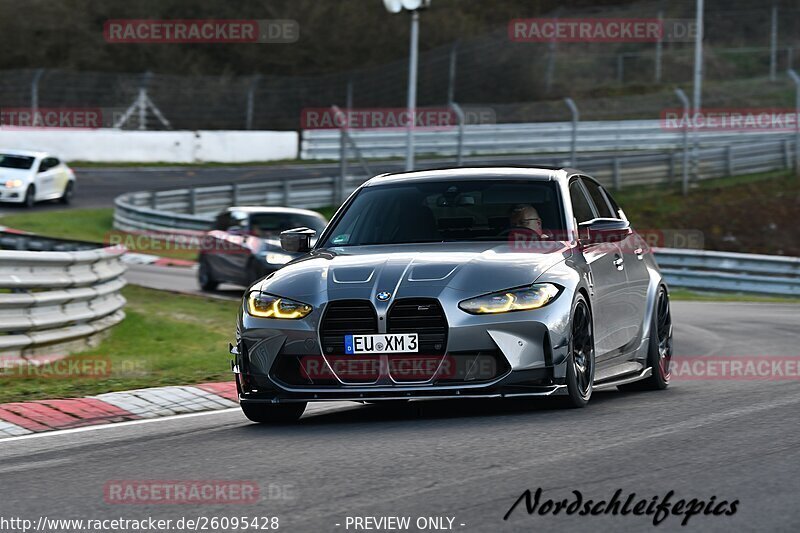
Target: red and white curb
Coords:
[(23, 418)]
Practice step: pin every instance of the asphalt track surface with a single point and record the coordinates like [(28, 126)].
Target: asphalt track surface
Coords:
[(469, 459)]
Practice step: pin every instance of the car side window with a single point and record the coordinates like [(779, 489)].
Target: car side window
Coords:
[(46, 164), (618, 213), (598, 199), (239, 219), (581, 208)]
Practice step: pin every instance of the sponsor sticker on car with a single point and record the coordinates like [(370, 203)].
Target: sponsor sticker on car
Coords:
[(383, 343)]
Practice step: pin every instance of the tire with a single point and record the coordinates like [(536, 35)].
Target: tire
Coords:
[(253, 272), (279, 413), (69, 190), (659, 351), (30, 197), (205, 277), (580, 362)]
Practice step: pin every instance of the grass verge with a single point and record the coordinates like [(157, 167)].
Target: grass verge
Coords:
[(178, 340), (686, 295)]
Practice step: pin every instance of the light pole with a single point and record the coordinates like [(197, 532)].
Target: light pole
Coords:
[(396, 6), (697, 89)]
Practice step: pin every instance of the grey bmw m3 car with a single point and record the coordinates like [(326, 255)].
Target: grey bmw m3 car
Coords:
[(457, 283)]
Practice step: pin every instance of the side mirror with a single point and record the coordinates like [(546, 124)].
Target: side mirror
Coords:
[(236, 230), (297, 240), (600, 230)]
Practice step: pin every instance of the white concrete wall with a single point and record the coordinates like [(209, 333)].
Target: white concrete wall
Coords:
[(109, 145)]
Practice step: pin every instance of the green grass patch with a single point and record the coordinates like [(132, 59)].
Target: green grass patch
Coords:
[(94, 225), (175, 340), (78, 224), (688, 295)]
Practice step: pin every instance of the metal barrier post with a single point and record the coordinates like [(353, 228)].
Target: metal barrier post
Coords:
[(729, 160), (235, 194), (615, 176), (192, 201), (287, 190)]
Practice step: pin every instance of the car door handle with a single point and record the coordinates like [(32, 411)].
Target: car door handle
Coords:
[(639, 252), (619, 262)]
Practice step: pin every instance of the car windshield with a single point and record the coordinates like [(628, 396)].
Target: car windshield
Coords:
[(21, 162), (445, 211), (272, 224)]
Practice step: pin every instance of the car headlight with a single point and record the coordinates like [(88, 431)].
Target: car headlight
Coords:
[(277, 259), (524, 299), (263, 305), (10, 184)]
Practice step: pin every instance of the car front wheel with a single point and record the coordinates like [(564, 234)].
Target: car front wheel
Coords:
[(659, 353), (30, 197), (580, 362), (205, 276)]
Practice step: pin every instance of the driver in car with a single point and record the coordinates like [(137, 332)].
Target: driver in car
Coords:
[(526, 217)]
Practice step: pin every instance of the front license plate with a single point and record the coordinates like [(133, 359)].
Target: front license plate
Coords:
[(356, 344)]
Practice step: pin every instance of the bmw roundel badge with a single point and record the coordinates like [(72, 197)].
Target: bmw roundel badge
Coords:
[(384, 295)]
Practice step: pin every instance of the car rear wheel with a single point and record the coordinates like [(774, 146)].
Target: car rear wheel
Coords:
[(659, 353), (205, 277), (267, 413), (30, 196), (580, 362), (69, 190)]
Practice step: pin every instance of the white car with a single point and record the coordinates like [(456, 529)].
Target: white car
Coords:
[(30, 177)]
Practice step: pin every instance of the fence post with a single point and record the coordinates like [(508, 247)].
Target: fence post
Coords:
[(620, 68), (35, 92), (796, 80), (153, 200), (235, 194), (192, 201), (685, 101), (251, 102), (617, 184), (451, 78), (659, 47), (773, 43), (573, 158)]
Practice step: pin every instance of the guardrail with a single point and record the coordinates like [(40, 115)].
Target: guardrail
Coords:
[(56, 296), (523, 138), (194, 208), (726, 271)]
